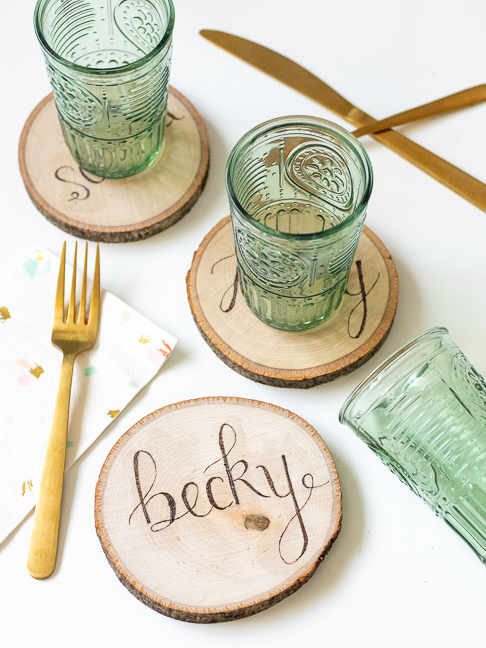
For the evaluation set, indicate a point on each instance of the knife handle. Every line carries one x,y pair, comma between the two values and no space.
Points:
463,99
449,175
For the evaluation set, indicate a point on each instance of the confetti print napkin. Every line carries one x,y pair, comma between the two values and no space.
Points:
128,353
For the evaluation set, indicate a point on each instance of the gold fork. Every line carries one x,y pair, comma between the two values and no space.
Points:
72,336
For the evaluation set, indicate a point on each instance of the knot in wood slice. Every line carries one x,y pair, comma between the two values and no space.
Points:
256,521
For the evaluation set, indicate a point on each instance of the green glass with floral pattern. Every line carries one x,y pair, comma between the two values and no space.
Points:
298,189
108,62
423,412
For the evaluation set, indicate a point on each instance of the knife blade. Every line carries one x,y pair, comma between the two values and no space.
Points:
300,79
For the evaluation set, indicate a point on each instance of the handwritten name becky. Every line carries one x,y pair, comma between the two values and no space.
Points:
235,476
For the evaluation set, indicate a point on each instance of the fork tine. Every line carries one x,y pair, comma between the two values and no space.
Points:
82,303
72,299
94,309
59,305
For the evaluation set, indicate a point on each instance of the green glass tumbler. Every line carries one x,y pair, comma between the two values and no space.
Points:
108,62
298,189
423,412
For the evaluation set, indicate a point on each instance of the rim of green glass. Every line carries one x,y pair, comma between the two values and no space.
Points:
385,364
38,13
321,125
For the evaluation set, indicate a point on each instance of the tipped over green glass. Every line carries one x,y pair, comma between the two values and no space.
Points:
423,412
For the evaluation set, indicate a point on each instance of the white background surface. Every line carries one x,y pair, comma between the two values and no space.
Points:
397,575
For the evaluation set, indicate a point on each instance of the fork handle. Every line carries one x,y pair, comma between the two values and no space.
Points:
43,544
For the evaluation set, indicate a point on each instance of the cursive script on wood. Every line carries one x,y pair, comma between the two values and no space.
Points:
363,294
65,173
233,287
228,299
217,508
172,118
285,359
237,485
125,209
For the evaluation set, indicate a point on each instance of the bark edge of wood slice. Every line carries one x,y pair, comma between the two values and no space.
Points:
301,359
115,210
238,559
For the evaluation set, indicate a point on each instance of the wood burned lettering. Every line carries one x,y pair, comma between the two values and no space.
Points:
79,189
172,118
363,294
67,174
228,300
224,485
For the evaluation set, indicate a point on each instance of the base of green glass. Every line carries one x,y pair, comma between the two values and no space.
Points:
291,313
115,158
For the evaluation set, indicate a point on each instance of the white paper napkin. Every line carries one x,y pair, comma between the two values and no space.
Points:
128,353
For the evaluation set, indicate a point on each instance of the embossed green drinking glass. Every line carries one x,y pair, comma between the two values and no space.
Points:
108,62
298,189
423,412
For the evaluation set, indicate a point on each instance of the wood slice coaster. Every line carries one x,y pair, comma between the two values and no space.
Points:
217,508
292,359
125,209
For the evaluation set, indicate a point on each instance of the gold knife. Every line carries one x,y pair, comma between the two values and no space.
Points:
463,99
297,77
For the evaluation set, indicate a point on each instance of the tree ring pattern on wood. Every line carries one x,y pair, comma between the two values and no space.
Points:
125,209
292,359
217,508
